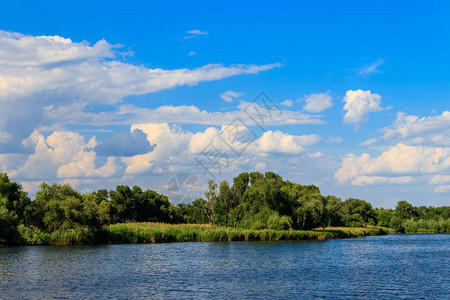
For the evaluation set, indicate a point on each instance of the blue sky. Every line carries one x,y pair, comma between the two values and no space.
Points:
101,93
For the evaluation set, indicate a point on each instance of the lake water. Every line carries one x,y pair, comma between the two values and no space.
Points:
393,266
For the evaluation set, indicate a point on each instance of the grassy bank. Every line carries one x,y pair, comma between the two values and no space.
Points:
160,233
129,233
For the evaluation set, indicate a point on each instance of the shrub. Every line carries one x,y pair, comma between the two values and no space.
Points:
279,223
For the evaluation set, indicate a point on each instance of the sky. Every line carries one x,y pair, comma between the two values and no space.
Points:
352,96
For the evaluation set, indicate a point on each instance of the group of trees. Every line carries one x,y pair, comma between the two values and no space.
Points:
59,208
411,219
254,200
259,201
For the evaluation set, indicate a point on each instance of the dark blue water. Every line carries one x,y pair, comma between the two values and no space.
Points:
394,266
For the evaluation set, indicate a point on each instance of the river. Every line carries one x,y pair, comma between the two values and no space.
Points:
394,266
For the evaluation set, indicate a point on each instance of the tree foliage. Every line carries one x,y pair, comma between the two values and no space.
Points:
254,200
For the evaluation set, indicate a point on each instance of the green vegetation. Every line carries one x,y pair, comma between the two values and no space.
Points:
160,232
255,207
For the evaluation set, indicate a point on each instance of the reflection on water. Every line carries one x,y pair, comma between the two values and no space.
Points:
400,266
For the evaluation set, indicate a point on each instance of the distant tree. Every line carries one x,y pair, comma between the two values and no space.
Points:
396,223
309,213
123,204
404,210
333,208
356,212
8,226
211,199
226,200
383,216
238,191
12,197
193,212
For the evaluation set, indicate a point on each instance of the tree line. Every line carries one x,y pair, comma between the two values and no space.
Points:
253,200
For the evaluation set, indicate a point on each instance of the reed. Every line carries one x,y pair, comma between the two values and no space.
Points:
161,232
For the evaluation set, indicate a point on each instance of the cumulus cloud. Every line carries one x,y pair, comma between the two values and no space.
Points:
228,96
23,50
64,154
45,79
178,150
316,103
125,144
359,104
287,103
279,142
409,129
171,145
397,163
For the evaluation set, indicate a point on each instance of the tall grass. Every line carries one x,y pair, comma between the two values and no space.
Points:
160,233
128,233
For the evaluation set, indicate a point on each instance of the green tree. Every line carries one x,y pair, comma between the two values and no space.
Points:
226,201
333,208
210,202
12,197
309,213
356,212
404,210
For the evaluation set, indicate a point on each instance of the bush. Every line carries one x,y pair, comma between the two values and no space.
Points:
396,224
279,223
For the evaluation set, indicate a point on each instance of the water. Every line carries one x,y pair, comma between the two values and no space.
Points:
394,266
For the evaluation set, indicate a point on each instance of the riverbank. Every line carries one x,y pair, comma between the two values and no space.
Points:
130,233
161,233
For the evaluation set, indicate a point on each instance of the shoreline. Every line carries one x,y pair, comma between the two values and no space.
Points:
140,233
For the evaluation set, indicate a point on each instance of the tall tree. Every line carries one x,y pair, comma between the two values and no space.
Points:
211,199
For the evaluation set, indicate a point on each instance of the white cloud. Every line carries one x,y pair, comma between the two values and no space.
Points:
47,82
22,50
176,149
193,115
335,139
287,103
368,142
439,179
359,104
31,64
371,68
433,130
442,189
395,163
201,140
192,53
316,155
228,96
199,32
317,102
192,34
170,143
369,180
279,142
64,154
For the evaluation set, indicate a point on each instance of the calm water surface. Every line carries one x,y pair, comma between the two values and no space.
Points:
394,266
